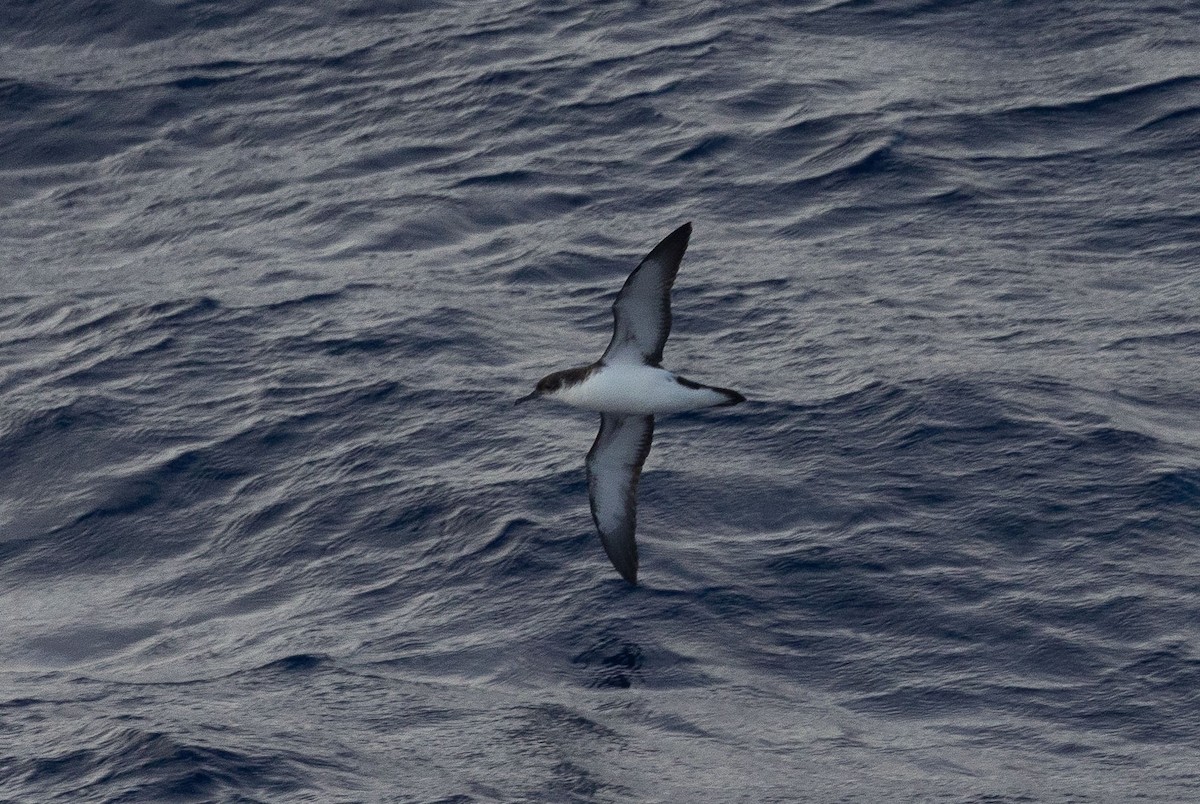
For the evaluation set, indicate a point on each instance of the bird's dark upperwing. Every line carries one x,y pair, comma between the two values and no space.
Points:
614,465
642,311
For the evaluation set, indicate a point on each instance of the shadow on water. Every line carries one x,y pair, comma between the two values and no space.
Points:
611,663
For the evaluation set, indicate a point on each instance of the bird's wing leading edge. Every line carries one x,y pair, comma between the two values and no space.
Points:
614,465
642,311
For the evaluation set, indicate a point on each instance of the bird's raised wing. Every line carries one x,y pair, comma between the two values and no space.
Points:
614,465
642,311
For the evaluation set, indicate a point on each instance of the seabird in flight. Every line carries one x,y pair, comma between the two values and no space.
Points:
628,387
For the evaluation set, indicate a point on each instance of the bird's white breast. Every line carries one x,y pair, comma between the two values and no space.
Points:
636,390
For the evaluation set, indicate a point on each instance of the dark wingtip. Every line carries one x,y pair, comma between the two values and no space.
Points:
626,563
674,244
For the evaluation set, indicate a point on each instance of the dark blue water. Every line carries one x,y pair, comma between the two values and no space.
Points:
271,275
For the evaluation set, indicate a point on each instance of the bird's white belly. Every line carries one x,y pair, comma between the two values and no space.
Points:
637,390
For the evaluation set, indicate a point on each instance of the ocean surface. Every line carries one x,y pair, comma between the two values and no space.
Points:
272,274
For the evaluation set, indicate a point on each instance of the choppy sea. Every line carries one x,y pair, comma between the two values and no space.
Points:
272,274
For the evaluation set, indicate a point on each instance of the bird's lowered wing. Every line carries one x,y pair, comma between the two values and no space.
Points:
614,465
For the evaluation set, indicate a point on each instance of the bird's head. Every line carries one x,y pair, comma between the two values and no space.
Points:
553,384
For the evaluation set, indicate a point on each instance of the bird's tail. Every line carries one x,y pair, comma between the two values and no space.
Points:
732,397
728,395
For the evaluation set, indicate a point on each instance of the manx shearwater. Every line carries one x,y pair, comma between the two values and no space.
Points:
628,386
